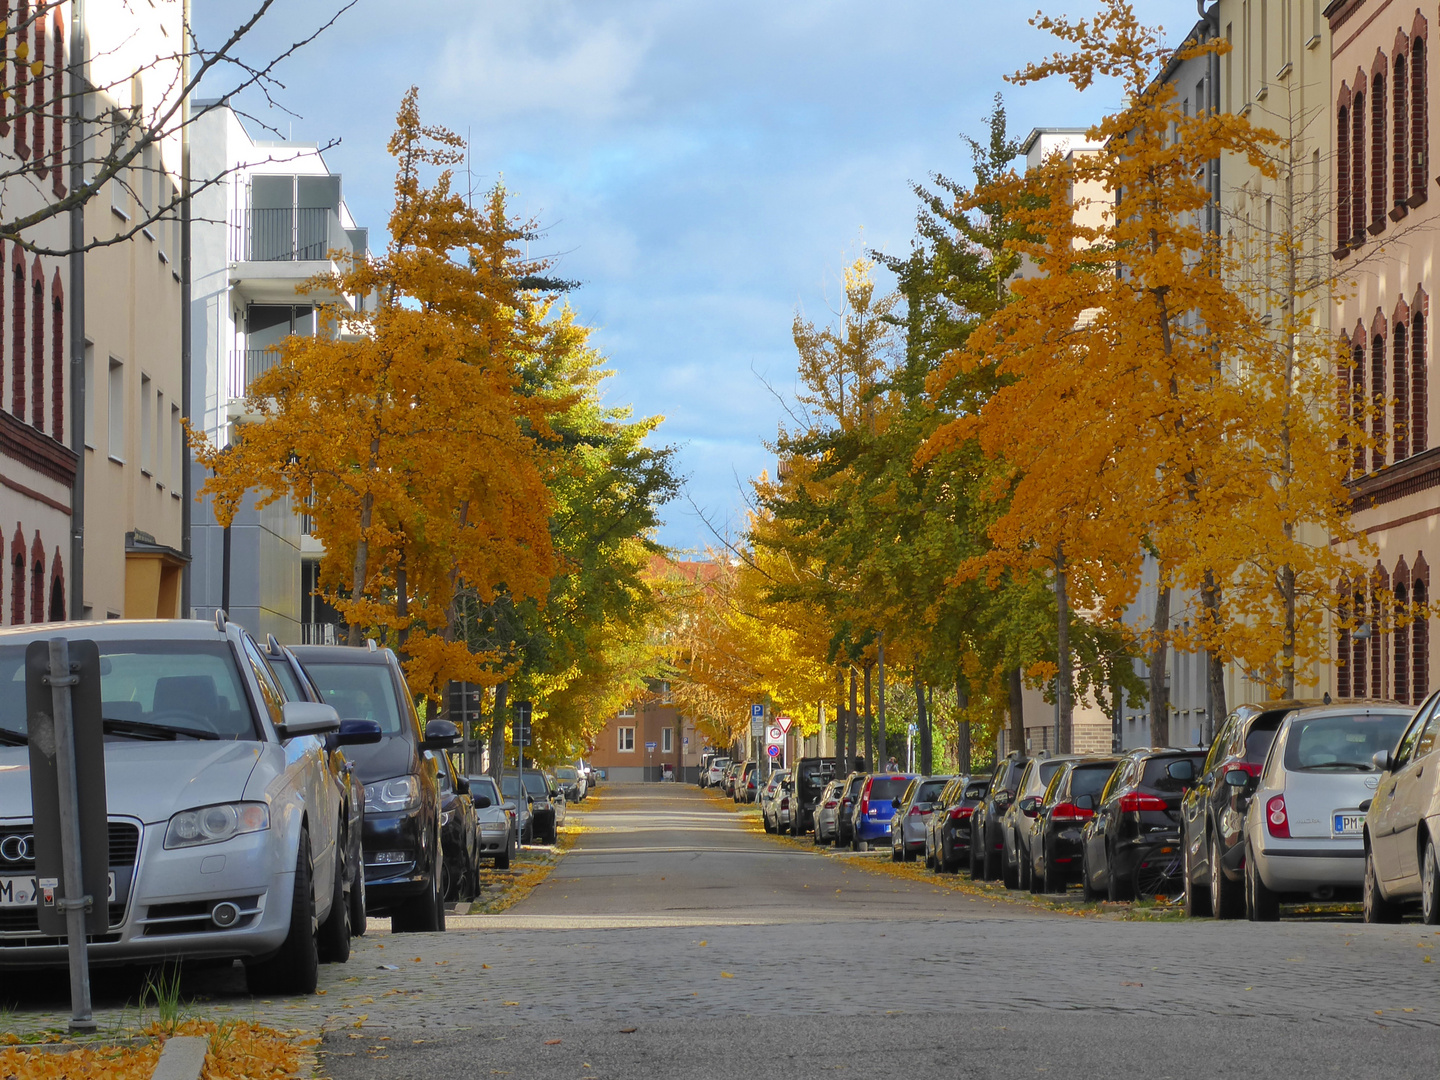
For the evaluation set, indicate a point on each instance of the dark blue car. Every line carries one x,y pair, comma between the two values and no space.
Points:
875,806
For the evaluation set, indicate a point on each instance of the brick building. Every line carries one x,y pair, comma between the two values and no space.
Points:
648,740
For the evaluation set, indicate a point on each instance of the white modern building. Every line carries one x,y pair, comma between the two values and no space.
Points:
266,217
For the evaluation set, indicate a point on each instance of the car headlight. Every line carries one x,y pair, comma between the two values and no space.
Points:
213,824
445,817
397,793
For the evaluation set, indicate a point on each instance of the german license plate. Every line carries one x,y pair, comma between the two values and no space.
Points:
21,892
1349,823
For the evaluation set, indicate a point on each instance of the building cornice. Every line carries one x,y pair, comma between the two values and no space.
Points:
1339,11
1415,474
21,442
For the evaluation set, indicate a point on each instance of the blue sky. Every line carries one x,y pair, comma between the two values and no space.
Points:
703,169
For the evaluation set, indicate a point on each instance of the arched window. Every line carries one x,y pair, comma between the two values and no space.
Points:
37,348
37,587
57,361
17,334
1419,409
17,588
20,91
1400,111
1402,643
1342,649
1419,122
1377,402
1420,646
57,105
1377,151
38,70
1357,171
1342,177
1400,381
57,589
1377,661
1357,401
1357,653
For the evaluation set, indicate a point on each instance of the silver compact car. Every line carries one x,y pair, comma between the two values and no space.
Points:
1402,826
1305,817
225,818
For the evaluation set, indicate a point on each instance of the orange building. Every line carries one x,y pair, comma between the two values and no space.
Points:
649,740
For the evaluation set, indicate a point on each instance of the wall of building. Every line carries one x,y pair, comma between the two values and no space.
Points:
642,724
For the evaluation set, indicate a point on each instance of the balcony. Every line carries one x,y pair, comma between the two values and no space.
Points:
272,251
247,365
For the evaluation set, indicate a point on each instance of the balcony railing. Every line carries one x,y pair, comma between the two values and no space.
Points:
314,633
247,365
288,234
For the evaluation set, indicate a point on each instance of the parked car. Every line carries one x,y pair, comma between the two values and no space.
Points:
225,818
298,687
747,782
498,820
1304,825
1017,827
987,841
1212,815
1402,825
769,796
826,818
514,793
1138,809
571,783
727,778
1060,815
874,807
845,812
401,835
714,773
810,776
547,805
459,832
912,813
947,840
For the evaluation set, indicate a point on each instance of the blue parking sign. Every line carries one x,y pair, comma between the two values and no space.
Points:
757,712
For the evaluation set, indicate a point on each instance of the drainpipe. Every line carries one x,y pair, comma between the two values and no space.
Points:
187,494
80,97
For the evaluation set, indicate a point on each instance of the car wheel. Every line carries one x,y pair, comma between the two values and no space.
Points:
1261,905
1087,890
992,865
896,853
295,968
1226,899
977,863
1197,903
356,900
1053,881
1430,886
1116,889
1033,873
333,942
1377,908
1024,874
1010,872
502,860
421,914
859,845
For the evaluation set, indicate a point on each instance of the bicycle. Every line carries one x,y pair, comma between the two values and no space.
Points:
1160,871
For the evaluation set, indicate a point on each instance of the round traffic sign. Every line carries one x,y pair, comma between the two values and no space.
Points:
773,751
776,734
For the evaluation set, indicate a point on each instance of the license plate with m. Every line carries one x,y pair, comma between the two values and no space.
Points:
1348,823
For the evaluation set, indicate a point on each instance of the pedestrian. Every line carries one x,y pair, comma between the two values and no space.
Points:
859,762
892,766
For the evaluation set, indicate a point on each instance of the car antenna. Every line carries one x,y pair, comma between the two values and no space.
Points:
370,644
221,619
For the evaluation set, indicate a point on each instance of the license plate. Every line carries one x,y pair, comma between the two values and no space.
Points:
1349,823
21,892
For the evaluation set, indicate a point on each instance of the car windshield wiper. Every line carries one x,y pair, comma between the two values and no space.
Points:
155,731
1363,766
14,738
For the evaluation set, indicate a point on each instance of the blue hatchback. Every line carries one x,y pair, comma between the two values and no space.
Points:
875,806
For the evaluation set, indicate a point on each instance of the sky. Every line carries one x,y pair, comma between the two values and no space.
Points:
704,170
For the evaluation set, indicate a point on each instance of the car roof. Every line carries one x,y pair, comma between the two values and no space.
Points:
118,630
341,654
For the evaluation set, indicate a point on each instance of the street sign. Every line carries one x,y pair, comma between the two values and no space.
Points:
775,734
757,728
773,750
757,712
521,726
649,746
784,722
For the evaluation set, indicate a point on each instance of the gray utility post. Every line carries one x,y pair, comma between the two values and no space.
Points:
67,793
880,757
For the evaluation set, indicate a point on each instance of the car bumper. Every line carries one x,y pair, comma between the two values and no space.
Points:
871,829
1304,865
397,857
494,842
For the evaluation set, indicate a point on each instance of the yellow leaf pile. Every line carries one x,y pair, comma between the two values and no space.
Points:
239,1050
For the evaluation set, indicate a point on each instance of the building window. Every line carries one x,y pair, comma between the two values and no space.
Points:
627,711
627,740
1357,651
667,740
177,452
1419,122
17,587
37,582
115,437
1342,177
57,362
1377,402
1342,650
1357,171
21,89
1420,645
1377,151
1399,124
1357,400
17,335
1377,656
1418,408
1401,384
147,424
57,105
37,349
1402,645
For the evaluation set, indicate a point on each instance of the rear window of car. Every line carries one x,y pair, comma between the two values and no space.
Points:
977,790
535,783
855,785
484,785
359,692
930,790
1157,776
1262,734
564,772
1089,779
889,787
1048,769
815,773
1343,743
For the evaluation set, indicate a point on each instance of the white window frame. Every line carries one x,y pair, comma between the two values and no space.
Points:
115,433
625,735
667,740
627,712
147,425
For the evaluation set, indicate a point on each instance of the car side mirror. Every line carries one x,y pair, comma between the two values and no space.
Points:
508,806
306,718
462,786
440,735
1085,802
1383,760
1183,771
1237,778
358,733
1030,805
482,802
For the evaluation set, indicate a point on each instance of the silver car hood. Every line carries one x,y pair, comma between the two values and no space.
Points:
147,780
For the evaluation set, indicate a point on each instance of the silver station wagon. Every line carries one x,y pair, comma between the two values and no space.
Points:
1305,821
225,818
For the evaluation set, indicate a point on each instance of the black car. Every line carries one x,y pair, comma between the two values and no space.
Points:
810,776
545,816
1138,809
401,833
298,687
1059,816
1017,828
1213,811
950,847
459,832
987,840
844,823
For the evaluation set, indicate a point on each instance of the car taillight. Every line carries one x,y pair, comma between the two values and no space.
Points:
960,813
1135,801
784,804
915,811
1070,812
864,807
830,804
1276,820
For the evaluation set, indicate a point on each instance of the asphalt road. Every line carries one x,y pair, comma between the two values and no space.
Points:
674,942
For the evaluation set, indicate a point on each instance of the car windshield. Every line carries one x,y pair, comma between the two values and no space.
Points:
535,783
1048,769
1157,774
359,692
930,790
151,689
1343,743
1089,779
564,772
888,787
484,787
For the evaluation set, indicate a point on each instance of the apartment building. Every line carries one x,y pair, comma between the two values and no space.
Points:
1385,243
267,216
649,740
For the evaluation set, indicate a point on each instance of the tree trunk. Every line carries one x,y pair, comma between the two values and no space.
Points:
1017,710
1159,646
1214,665
402,608
854,723
839,720
924,717
354,635
497,731
1064,683
962,726
882,758
869,726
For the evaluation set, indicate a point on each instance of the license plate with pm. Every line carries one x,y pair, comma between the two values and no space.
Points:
1349,823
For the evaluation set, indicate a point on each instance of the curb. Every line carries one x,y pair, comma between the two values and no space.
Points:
182,1058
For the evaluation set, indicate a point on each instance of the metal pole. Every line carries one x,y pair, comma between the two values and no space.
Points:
78,389
74,902
880,755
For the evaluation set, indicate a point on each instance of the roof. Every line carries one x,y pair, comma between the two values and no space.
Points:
116,630
341,654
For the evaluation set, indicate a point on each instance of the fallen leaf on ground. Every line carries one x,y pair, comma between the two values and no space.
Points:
552,1042
726,975
628,1031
